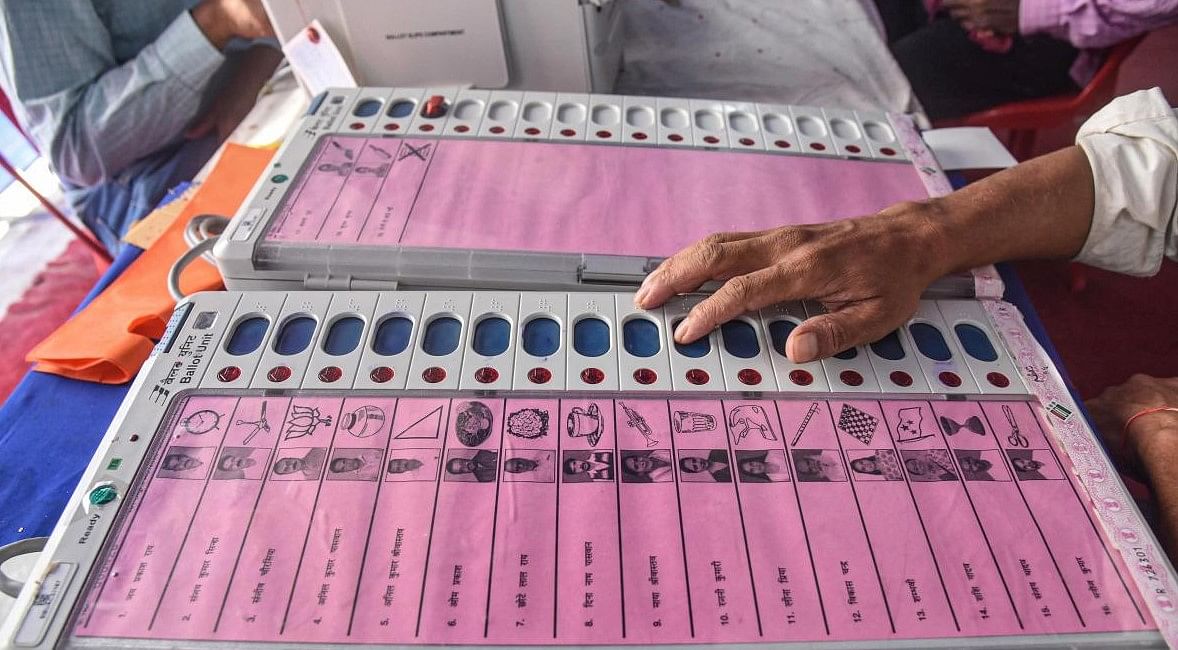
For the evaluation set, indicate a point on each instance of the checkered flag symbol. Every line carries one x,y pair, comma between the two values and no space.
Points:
857,424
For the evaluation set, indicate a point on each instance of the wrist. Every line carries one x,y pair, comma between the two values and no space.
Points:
210,17
1041,208
928,223
968,230
1156,445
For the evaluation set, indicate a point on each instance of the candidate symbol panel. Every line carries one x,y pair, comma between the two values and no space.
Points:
814,519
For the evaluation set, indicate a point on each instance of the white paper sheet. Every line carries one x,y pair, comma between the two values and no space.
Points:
968,147
317,60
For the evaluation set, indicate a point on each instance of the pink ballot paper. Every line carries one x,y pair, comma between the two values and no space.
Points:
499,195
567,520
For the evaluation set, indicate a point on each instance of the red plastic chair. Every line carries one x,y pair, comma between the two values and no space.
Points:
102,257
1024,119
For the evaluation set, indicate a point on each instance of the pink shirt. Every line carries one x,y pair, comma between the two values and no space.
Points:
1089,25
1092,25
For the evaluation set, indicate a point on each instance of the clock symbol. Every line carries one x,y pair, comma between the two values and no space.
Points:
201,422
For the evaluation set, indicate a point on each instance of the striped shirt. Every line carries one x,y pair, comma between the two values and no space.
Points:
103,84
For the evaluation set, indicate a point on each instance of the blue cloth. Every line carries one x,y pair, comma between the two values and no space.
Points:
50,427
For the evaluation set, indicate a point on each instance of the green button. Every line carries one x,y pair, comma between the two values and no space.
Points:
279,178
103,495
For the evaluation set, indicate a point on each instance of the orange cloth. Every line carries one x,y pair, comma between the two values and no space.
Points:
109,340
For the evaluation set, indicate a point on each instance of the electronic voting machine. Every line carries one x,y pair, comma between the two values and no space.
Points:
427,412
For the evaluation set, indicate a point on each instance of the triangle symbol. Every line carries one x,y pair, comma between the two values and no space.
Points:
427,427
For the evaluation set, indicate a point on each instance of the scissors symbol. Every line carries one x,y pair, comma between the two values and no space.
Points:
1016,438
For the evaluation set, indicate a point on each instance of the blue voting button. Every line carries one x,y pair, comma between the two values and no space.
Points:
343,336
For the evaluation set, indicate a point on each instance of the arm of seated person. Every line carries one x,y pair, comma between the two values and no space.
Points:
1148,446
93,114
869,272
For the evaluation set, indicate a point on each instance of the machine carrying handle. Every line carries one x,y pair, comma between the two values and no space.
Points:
10,586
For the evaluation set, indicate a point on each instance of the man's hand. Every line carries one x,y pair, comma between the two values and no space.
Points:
1148,436
997,16
222,20
239,94
868,273
1149,447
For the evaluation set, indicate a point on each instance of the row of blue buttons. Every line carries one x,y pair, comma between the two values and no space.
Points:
591,338
540,338
370,107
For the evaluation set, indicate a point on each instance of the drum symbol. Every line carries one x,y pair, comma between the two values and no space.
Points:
364,421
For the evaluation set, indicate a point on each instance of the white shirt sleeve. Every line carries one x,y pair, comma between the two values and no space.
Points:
1132,146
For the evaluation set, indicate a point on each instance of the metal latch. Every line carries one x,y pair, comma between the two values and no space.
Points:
368,284
616,269
327,282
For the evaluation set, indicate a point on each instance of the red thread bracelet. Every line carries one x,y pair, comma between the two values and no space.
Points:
1148,411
